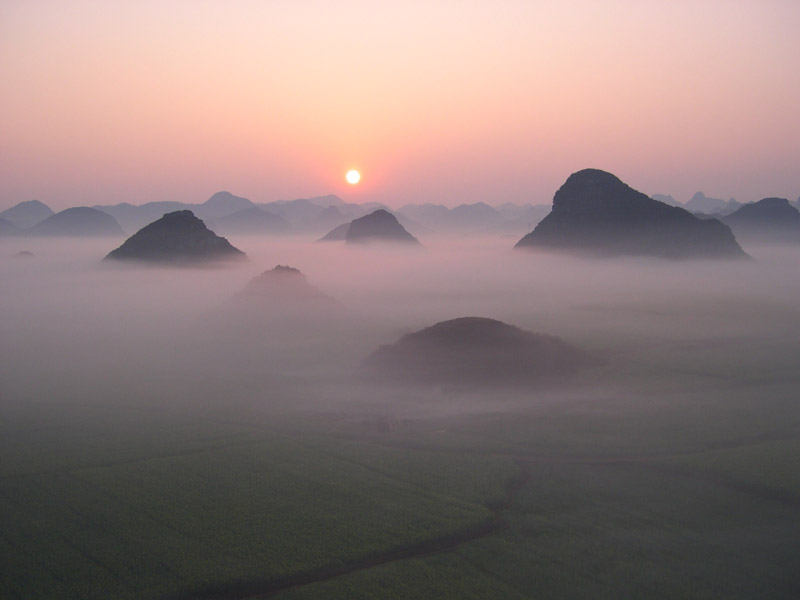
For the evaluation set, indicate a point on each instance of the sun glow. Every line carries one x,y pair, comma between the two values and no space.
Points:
353,177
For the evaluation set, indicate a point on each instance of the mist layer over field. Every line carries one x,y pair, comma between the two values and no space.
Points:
157,394
66,314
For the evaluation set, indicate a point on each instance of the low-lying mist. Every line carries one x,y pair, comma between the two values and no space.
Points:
76,329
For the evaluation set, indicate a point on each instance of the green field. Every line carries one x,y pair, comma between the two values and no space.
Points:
136,506
617,497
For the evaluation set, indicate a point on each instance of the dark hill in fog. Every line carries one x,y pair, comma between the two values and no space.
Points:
78,221
176,237
284,287
23,254
281,307
771,220
378,226
475,351
595,213
27,214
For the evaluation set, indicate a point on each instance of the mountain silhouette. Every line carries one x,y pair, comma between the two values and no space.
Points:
476,351
378,226
278,306
222,204
428,214
78,221
337,234
251,221
286,289
770,220
469,218
27,214
297,212
330,217
702,204
595,213
176,237
132,217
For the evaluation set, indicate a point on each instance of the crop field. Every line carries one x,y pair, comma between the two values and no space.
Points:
110,508
578,499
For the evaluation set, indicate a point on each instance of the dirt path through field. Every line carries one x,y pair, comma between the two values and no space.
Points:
254,589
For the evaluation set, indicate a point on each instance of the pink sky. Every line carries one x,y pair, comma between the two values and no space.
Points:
448,102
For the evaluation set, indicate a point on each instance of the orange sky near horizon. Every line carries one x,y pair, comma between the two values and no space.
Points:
447,102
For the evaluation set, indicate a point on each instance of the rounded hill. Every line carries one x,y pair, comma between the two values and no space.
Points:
476,351
78,221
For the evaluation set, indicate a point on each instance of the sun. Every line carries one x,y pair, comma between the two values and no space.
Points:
353,177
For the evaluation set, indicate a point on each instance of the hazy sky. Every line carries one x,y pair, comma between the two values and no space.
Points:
449,101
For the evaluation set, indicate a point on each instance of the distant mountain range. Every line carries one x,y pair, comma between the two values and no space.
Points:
702,205
33,218
80,221
234,215
768,221
26,214
251,221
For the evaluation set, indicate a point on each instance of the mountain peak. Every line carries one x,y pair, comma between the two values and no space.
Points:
176,237
770,221
78,221
379,225
595,213
27,213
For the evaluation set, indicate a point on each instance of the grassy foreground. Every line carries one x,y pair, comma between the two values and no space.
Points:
102,503
604,499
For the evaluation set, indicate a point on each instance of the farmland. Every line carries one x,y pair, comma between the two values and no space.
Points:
143,455
142,502
155,508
